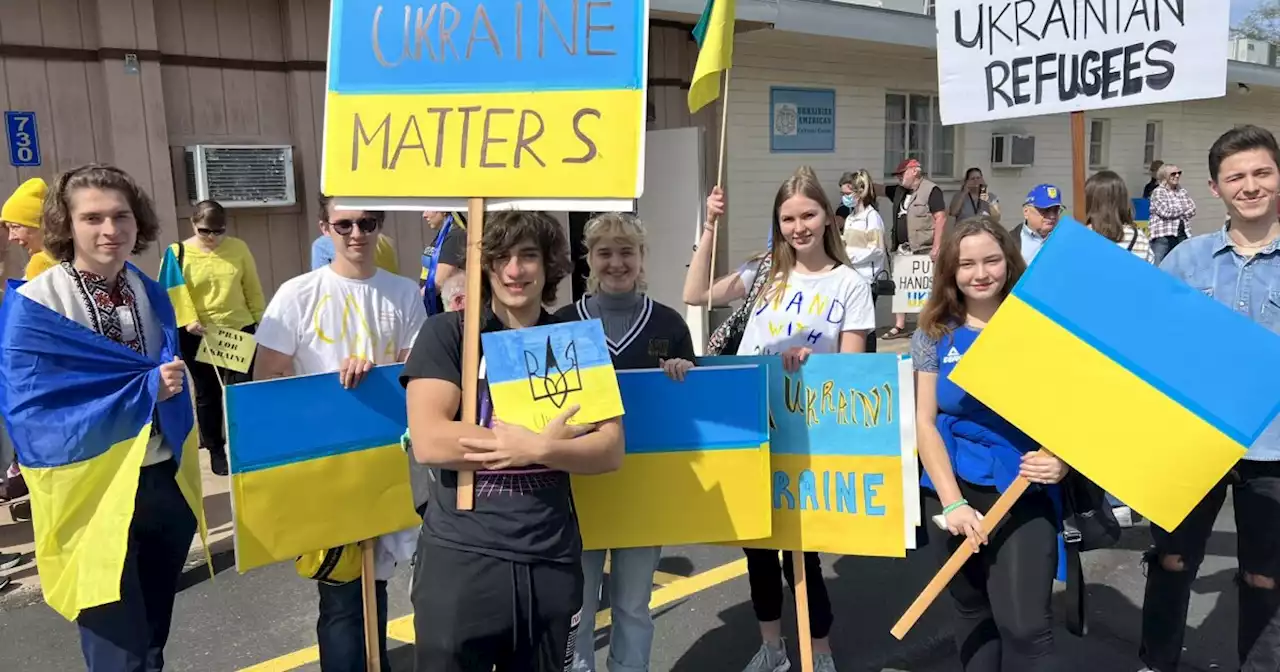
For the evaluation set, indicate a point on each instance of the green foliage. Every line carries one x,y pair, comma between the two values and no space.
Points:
1263,23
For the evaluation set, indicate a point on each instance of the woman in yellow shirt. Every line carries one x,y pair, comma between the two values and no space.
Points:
21,215
223,280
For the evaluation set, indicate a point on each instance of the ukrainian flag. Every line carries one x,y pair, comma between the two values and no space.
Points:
1142,213
696,467
176,285
1074,358
535,374
79,408
301,482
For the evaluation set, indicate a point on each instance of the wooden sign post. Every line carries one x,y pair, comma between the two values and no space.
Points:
471,319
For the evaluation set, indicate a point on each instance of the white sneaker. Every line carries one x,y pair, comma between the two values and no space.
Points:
1124,516
769,659
823,662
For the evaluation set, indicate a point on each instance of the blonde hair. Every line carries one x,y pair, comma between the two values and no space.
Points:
864,192
804,182
614,226
1163,173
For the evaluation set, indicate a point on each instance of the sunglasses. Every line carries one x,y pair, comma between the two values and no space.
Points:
211,232
1176,174
366,224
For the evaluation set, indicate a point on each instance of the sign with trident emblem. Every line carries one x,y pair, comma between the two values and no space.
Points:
536,373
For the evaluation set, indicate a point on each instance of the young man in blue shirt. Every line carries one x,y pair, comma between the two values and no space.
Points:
1239,266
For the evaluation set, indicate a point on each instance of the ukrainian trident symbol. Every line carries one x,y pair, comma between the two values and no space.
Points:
552,380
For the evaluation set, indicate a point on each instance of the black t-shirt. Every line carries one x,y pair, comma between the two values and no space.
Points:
897,194
522,515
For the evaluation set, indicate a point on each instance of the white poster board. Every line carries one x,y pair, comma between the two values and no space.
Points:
913,281
1019,58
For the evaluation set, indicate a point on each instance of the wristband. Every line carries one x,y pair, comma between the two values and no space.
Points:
954,505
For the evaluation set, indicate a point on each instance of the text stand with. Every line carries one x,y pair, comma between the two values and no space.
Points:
471,318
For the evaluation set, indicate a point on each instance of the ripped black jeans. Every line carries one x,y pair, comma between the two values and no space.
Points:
1255,487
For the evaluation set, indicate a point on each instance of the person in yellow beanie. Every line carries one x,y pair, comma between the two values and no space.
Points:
21,214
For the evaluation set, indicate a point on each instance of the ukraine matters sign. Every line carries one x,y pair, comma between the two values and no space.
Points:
532,99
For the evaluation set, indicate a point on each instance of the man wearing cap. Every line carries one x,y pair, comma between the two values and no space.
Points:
21,215
1040,213
920,213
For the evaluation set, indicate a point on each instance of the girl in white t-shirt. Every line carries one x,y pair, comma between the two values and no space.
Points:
813,303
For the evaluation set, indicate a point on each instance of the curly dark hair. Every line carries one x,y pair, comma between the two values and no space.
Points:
503,231
58,239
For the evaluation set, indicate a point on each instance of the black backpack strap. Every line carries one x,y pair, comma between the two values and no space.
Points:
1074,599
182,255
1134,240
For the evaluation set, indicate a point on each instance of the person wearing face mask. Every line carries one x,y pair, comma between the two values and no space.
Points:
974,199
641,334
1172,210
864,239
1040,211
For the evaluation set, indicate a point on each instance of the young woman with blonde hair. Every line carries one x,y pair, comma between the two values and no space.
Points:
810,277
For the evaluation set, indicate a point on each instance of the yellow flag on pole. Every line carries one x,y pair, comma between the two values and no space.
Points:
714,35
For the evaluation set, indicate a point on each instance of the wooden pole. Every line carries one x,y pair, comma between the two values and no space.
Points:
720,165
931,592
1078,164
471,319
803,633
368,585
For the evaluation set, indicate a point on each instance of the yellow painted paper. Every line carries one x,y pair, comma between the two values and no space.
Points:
227,348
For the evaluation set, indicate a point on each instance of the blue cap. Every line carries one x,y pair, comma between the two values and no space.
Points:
1044,196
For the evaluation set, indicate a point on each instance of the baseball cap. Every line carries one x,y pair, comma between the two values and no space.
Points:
1044,196
906,163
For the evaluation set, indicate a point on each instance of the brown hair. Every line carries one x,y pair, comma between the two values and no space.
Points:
1107,207
614,226
803,183
58,225
945,309
505,230
211,212
326,201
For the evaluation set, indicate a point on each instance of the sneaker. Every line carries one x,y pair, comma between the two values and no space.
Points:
20,510
1124,516
218,462
10,560
769,659
823,662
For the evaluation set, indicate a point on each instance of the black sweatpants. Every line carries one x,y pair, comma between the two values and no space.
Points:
204,378
765,576
1003,595
476,613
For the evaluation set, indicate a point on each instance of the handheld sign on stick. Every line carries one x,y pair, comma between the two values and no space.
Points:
471,319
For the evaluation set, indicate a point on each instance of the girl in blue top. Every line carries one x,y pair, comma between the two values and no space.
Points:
971,454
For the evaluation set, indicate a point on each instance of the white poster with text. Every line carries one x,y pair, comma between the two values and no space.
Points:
912,282
1020,58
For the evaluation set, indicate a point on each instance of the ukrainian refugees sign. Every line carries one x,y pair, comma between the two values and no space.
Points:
1018,58
475,98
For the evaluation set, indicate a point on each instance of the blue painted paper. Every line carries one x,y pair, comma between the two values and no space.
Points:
710,410
472,46
519,354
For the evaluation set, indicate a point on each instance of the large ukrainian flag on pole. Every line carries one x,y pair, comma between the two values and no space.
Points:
79,408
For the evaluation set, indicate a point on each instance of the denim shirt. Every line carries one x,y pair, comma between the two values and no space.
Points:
1249,286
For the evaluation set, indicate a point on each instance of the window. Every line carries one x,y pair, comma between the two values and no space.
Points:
1152,141
913,131
1098,129
929,7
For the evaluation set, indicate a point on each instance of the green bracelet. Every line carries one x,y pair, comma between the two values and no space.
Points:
955,505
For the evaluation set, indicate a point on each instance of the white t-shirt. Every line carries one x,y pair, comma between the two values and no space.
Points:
811,311
321,318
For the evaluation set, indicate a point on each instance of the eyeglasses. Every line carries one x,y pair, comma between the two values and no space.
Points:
211,232
366,224
1176,174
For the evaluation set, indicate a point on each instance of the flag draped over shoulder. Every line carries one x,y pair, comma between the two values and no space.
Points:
714,35
80,408
175,284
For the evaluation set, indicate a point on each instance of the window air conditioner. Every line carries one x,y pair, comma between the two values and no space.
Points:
241,176
1012,151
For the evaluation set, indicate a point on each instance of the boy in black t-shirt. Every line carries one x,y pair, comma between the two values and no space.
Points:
499,587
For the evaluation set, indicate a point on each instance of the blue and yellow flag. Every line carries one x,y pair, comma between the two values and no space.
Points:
714,35
1074,358
79,408
175,284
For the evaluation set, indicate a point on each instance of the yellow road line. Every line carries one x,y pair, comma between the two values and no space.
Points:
667,578
401,629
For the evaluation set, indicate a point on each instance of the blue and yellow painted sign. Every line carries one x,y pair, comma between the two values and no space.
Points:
697,464
842,441
476,98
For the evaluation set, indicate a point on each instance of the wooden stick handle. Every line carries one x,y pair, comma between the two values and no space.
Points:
720,165
368,584
940,580
803,633
471,319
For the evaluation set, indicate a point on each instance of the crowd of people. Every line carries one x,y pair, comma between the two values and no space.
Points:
507,586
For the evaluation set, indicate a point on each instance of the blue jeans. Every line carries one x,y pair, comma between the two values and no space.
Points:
129,635
630,587
340,628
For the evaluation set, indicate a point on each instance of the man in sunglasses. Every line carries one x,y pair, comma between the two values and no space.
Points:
346,317
1040,213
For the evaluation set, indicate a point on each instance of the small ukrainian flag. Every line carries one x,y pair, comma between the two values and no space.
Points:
173,281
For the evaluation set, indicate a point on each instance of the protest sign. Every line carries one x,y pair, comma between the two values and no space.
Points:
842,454
541,100
1019,58
226,348
697,464
535,374
315,465
912,282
